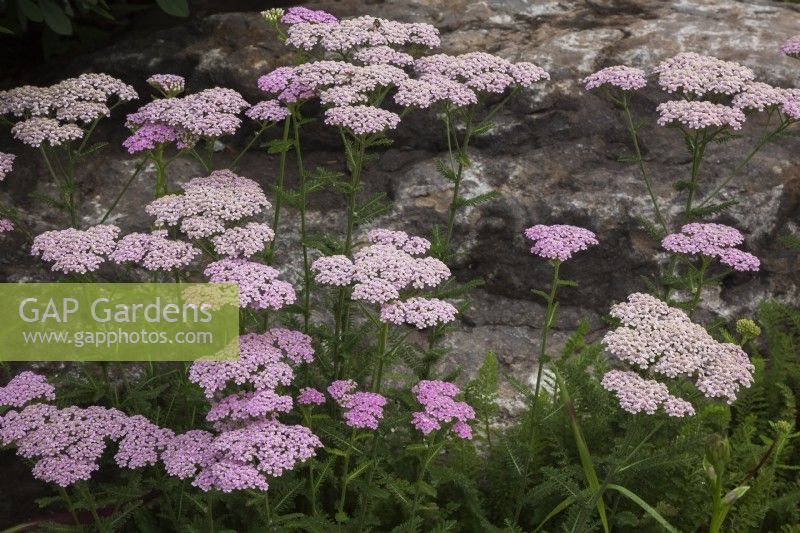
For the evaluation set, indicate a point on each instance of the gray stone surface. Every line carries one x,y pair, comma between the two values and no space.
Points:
553,156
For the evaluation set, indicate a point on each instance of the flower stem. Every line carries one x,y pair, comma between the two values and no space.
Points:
113,206
270,254
296,118
640,161
459,162
162,187
547,324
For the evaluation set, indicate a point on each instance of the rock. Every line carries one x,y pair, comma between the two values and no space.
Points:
552,156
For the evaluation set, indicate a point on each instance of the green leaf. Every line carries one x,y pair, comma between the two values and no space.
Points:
31,10
643,504
483,391
176,8
684,185
483,127
628,159
446,171
425,488
5,30
476,200
713,209
279,146
358,470
556,510
55,18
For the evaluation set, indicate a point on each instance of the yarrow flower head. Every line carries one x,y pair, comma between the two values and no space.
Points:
243,241
259,286
353,34
76,251
637,395
169,84
432,89
791,105
700,114
712,240
791,47
6,226
481,72
698,75
142,442
383,55
150,136
263,364
559,241
154,251
208,203
285,85
621,77
362,119
268,111
38,130
208,113
759,96
25,387
419,312
66,444
362,409
299,15
6,164
310,396
440,408
660,339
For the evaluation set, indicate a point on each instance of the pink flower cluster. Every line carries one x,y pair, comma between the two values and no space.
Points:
208,203
244,240
285,85
419,312
97,89
75,251
362,119
699,114
153,251
559,241
699,75
310,396
24,387
620,76
636,394
440,407
39,130
168,84
712,240
432,89
210,113
760,96
240,458
6,164
362,409
482,72
6,226
259,286
791,47
657,338
299,15
268,111
383,55
352,34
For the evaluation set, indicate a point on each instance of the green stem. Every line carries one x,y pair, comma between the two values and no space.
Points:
113,206
355,156
296,118
718,511
698,290
423,469
162,186
547,324
210,513
345,472
93,507
461,159
249,145
70,506
640,161
270,255
67,194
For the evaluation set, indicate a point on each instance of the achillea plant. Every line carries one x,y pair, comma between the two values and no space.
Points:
337,415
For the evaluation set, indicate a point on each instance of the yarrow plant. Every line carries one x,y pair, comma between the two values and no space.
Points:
341,409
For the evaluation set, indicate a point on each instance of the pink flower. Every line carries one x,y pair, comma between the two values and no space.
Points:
362,409
362,119
310,396
559,241
149,136
712,240
440,407
759,96
663,340
169,84
268,111
259,286
359,32
637,395
284,84
71,250
334,270
696,74
419,312
791,47
6,226
697,115
38,130
383,55
154,251
244,241
399,239
6,164
622,77
25,387
481,72
142,442
299,14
